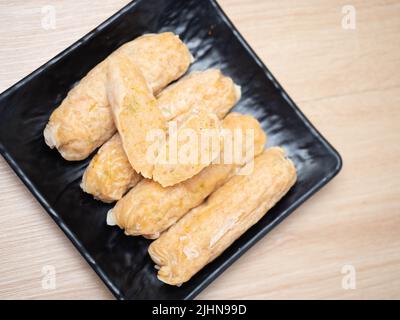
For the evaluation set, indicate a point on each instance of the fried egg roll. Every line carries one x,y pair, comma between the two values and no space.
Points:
210,89
135,111
109,173
149,209
206,231
84,121
185,153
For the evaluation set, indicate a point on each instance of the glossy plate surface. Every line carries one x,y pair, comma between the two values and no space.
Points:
122,262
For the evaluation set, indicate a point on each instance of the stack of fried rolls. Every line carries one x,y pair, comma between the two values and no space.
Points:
194,210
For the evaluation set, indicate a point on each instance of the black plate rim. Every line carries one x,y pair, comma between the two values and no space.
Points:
230,260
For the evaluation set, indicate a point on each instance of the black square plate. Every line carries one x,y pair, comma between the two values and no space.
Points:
122,262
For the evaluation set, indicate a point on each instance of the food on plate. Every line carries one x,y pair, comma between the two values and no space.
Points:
109,173
198,181
207,230
84,121
149,209
189,148
209,89
135,111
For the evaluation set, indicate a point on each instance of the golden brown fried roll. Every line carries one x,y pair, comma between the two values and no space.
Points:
177,100
84,121
186,153
109,173
149,209
206,231
135,112
209,88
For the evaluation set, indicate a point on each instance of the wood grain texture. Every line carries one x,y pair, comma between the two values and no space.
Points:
345,81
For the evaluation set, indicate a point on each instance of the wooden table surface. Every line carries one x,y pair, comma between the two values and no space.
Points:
345,80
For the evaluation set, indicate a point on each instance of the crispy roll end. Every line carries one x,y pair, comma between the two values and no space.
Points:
109,174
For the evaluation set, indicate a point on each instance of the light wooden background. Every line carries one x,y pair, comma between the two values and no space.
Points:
346,81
